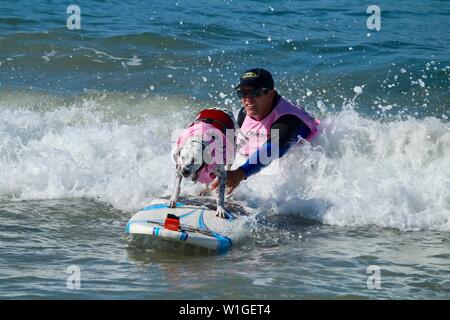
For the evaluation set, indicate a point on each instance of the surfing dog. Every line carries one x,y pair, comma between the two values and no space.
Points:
202,153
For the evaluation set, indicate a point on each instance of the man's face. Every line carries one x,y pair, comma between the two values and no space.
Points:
258,106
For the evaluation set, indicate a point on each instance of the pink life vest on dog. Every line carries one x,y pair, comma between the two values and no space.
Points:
256,132
210,125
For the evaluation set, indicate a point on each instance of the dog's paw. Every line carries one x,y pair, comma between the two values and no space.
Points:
172,204
221,213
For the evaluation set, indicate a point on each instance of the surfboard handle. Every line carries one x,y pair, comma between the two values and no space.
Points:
172,222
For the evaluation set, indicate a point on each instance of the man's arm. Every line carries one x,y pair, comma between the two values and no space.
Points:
290,128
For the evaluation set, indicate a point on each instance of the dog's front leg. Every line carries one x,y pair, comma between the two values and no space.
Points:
205,191
222,175
176,190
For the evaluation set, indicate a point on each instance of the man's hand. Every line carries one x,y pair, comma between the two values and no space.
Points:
234,178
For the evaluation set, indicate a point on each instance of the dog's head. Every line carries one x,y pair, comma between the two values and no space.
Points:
189,158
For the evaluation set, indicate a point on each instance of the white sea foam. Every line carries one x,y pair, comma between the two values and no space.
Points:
79,152
47,55
364,172
358,171
134,61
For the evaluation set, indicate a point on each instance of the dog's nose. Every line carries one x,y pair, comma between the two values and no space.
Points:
185,172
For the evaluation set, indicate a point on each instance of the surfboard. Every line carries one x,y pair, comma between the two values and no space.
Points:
192,222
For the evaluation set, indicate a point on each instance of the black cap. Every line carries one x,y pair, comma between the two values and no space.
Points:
256,78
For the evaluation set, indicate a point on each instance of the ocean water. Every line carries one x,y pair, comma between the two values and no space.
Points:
87,121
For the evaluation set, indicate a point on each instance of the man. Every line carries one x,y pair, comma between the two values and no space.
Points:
265,110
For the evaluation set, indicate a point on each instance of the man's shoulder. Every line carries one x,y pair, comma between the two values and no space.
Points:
283,101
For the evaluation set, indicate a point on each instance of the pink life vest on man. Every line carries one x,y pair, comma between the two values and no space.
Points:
256,133
209,124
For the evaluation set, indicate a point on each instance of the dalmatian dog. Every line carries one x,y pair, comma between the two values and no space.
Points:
197,151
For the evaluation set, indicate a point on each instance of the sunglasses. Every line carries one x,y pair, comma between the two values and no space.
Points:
254,92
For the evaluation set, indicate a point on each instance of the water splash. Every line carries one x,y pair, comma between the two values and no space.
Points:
359,171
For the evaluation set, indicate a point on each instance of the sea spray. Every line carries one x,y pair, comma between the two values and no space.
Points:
361,171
